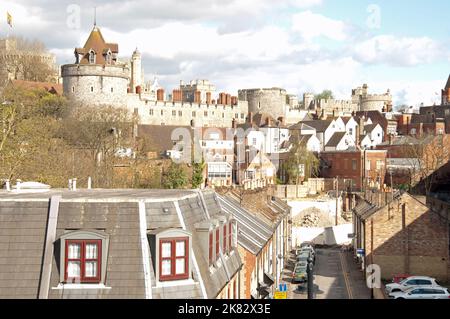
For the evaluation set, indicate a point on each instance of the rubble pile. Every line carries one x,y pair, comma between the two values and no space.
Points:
312,217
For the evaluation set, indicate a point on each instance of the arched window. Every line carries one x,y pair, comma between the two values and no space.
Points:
92,57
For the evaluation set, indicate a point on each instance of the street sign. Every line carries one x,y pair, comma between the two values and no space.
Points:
283,288
360,252
280,295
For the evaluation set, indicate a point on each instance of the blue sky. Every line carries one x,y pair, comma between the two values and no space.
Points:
301,45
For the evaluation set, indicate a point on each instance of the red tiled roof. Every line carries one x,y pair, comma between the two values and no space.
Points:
97,43
53,88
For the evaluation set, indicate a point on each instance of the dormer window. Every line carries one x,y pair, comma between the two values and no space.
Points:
83,261
109,57
171,250
83,257
174,259
92,57
217,243
224,240
211,249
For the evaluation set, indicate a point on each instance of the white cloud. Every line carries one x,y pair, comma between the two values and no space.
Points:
398,51
311,25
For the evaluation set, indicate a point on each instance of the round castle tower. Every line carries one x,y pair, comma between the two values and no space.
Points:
96,77
271,101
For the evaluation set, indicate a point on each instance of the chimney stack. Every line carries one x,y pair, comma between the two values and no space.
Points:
160,95
208,97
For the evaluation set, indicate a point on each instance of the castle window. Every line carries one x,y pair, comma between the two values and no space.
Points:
193,114
109,58
174,113
180,113
92,57
73,89
151,111
112,90
206,113
162,112
92,89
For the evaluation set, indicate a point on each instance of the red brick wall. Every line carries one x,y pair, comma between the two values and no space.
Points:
416,244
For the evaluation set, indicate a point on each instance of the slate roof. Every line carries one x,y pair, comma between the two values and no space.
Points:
336,139
23,222
253,233
319,125
369,128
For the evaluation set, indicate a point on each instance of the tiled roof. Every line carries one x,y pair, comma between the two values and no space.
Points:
319,125
336,139
97,43
53,88
369,128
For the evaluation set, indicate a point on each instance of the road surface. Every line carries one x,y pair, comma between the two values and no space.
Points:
336,276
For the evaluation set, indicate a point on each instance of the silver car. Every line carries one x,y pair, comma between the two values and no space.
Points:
422,293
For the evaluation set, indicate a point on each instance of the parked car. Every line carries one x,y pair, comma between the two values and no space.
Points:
307,244
311,253
304,257
409,282
422,293
398,278
300,272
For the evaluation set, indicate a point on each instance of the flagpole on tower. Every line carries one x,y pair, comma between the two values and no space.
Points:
95,16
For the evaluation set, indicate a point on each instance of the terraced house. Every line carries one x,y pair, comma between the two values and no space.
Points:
117,244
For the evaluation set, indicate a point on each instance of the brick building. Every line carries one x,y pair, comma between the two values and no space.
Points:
402,236
362,167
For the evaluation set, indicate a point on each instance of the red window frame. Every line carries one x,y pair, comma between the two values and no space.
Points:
173,258
217,243
224,240
82,260
211,246
230,237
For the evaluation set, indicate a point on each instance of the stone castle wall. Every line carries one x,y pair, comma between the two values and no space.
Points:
375,102
96,84
187,114
271,101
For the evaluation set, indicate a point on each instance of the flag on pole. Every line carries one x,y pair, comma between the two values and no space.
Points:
9,19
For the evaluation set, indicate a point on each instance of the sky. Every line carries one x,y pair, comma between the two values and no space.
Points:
300,45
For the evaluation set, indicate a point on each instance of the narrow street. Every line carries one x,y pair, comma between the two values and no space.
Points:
336,276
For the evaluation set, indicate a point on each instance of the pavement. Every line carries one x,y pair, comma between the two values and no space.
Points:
336,276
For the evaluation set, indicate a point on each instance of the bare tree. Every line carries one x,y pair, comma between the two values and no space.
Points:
427,154
27,60
100,132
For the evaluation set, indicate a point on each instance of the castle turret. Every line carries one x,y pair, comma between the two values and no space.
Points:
136,71
96,77
308,98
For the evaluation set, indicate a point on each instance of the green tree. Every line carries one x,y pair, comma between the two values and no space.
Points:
197,174
325,95
175,177
301,163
